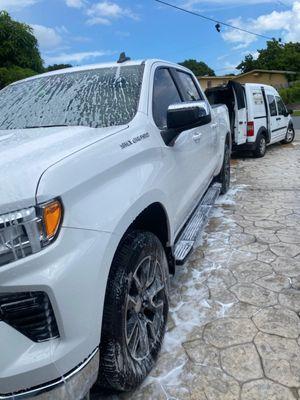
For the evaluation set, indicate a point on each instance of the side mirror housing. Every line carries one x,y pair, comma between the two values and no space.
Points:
184,116
290,112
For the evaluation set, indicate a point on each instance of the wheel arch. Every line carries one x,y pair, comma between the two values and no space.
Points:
154,218
264,131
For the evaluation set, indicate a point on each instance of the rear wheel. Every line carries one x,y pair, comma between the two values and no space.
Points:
135,311
290,135
224,176
261,146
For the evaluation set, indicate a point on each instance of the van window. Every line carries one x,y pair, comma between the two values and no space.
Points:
280,106
272,105
165,93
190,91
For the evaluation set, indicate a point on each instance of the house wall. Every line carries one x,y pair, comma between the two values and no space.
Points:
273,79
277,80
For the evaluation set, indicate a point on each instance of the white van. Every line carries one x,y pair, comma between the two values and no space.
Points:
258,116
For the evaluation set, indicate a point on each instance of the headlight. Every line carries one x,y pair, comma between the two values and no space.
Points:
27,231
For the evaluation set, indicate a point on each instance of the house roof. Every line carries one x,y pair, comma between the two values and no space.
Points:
254,71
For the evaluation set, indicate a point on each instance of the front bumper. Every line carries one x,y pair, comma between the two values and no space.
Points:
73,273
73,386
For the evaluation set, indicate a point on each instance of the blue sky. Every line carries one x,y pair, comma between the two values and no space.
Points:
89,31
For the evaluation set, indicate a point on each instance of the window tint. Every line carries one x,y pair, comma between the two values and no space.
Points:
272,105
280,106
165,93
190,91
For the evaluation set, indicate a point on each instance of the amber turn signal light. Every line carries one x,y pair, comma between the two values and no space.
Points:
52,215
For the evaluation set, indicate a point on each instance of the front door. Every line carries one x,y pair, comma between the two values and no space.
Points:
186,160
282,119
273,117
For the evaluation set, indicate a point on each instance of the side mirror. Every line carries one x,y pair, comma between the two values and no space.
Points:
184,116
290,112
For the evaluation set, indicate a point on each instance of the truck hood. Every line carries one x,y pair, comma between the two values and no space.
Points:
26,153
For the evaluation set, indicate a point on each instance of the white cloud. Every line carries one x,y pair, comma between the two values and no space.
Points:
11,5
74,57
284,24
75,3
191,4
105,12
48,38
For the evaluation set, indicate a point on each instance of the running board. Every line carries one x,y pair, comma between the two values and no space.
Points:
195,224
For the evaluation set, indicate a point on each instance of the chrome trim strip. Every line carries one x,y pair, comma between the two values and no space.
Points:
73,386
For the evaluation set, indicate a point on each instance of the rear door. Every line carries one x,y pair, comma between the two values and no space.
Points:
240,126
273,117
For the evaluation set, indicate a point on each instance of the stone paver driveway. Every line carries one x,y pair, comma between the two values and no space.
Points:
234,328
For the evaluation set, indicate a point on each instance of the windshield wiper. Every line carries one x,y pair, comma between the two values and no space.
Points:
44,126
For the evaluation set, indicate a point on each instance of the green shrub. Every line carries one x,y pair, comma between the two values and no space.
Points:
292,94
14,73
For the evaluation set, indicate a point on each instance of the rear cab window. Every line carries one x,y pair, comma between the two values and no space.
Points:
188,87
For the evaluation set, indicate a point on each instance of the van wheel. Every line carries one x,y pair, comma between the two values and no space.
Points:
261,146
224,176
135,312
290,135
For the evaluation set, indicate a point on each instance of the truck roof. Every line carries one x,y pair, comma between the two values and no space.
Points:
97,66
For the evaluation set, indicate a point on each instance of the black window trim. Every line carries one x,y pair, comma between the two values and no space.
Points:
169,69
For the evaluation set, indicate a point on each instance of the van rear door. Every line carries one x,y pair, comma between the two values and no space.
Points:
240,126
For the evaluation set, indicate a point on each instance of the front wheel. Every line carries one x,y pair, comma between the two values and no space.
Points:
261,146
224,176
135,311
290,135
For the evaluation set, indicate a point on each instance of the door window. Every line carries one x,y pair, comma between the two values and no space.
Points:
190,91
280,106
272,105
165,93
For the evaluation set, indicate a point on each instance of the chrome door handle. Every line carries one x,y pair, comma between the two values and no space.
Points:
197,137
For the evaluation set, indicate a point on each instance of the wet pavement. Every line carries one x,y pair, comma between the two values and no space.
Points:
234,326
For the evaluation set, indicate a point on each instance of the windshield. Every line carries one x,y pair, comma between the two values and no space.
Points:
95,98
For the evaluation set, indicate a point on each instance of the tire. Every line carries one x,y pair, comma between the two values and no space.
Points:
136,302
290,135
261,146
224,176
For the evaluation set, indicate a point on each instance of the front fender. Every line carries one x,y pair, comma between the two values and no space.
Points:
104,188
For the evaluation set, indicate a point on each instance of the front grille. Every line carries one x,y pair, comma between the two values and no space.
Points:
19,235
29,313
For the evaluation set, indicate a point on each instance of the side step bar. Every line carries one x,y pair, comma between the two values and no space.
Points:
195,224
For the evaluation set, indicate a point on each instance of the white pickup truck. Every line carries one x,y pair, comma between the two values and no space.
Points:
107,174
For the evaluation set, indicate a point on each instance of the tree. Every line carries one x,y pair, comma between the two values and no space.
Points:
199,68
19,47
55,67
278,56
14,73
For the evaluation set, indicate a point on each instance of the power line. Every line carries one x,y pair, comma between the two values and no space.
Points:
283,4
212,20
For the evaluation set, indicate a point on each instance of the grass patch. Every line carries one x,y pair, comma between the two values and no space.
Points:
296,113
